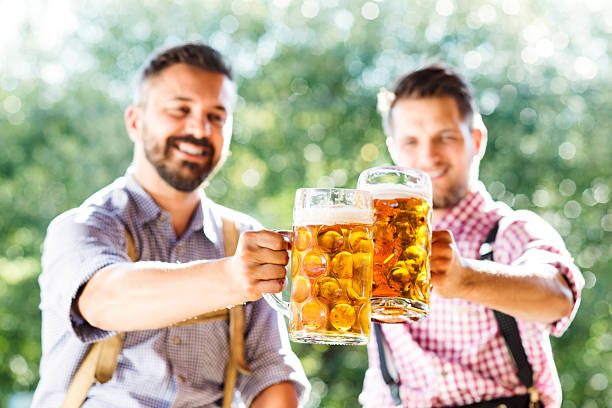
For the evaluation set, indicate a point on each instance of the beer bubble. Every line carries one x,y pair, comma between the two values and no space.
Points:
348,291
342,265
313,315
328,290
415,253
399,273
342,316
330,238
314,263
413,267
360,241
300,289
405,233
302,239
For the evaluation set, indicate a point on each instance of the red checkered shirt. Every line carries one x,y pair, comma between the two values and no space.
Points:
456,355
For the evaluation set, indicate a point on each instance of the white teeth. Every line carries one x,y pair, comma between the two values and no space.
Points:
434,174
190,149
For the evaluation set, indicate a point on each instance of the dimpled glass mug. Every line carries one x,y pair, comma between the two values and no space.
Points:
402,242
331,267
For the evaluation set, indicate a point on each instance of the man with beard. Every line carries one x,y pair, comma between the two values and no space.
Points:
180,124
457,356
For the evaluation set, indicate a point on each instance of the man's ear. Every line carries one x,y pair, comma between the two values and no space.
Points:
133,121
479,136
392,148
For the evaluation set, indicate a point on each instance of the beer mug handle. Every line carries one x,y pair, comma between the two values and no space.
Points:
275,300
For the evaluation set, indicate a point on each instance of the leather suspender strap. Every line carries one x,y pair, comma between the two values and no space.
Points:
83,378
391,380
101,359
508,327
236,360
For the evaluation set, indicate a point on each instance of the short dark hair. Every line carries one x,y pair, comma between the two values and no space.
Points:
194,54
434,81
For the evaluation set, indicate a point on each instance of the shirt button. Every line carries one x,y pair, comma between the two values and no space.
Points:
176,340
162,217
180,379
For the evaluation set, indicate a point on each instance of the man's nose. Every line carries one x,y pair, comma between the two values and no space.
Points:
428,154
199,126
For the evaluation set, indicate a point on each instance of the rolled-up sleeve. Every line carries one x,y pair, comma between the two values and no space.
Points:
78,244
269,355
529,240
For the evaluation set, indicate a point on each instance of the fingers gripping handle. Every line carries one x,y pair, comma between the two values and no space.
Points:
275,300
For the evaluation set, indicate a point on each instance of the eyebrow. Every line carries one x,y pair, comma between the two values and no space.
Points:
411,135
447,130
187,99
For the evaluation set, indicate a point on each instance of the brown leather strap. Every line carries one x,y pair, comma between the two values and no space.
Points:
107,359
236,331
83,378
230,242
236,360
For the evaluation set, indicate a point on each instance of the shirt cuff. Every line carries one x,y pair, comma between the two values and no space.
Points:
84,331
576,283
257,382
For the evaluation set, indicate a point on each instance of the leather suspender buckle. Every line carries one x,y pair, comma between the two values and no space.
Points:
534,397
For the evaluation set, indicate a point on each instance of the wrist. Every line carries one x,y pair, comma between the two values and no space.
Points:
469,279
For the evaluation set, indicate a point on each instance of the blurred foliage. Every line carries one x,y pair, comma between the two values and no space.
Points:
308,72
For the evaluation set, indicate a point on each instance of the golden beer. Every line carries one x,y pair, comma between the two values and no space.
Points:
331,273
331,267
402,243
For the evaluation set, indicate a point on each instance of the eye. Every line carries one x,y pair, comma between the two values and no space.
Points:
179,110
216,118
448,137
407,143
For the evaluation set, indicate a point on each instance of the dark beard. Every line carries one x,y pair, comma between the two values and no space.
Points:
197,173
450,199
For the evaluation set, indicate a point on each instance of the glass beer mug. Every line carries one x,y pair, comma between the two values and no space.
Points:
402,242
331,267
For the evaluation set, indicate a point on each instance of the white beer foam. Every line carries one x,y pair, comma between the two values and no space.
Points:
331,215
388,191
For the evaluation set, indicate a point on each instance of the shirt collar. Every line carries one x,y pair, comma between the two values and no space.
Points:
148,210
209,220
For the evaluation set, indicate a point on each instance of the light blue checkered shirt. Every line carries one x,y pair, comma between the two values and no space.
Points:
178,366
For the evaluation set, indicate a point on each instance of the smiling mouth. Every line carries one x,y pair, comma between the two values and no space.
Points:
192,150
436,174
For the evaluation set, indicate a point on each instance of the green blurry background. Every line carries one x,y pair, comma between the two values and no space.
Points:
308,73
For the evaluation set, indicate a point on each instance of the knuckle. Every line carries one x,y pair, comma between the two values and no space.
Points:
248,236
281,272
278,285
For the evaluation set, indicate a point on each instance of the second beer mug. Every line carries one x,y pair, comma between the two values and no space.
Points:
402,236
331,267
